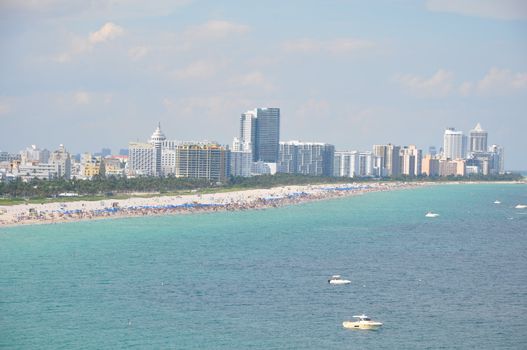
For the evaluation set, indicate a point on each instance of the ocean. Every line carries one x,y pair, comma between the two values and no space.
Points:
258,279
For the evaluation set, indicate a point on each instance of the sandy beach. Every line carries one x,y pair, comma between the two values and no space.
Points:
47,213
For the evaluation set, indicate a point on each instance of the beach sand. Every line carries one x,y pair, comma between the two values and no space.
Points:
46,213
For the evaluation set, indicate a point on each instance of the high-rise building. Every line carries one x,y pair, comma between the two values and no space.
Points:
141,159
478,139
432,151
346,164
354,164
34,155
247,131
62,161
411,161
266,135
308,158
162,157
454,144
156,140
390,159
430,165
497,159
241,159
202,161
448,167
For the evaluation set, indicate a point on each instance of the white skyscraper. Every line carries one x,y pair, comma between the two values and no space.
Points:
411,161
478,139
247,130
454,144
156,140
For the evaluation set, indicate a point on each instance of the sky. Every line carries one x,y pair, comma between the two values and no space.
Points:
101,73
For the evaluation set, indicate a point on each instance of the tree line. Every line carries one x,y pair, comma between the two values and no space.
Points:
110,186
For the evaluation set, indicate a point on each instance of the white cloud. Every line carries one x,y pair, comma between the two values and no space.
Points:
5,106
495,9
109,31
168,103
82,98
196,70
438,85
138,52
253,79
496,82
335,46
215,29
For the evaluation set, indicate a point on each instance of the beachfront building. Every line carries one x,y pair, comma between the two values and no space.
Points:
478,139
366,161
410,158
454,144
345,164
202,161
354,164
247,138
241,158
156,140
260,130
430,166
90,166
42,171
488,163
114,165
33,154
259,138
61,159
497,159
307,158
141,159
162,157
448,167
266,135
390,163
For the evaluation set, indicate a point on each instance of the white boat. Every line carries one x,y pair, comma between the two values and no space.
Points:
431,215
497,202
521,206
336,279
363,322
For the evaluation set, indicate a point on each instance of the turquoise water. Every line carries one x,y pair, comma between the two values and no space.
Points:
258,279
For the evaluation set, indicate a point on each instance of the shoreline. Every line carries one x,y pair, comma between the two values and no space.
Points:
250,199
54,213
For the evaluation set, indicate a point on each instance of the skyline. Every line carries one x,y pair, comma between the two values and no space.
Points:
98,74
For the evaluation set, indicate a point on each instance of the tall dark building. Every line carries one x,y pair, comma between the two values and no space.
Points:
267,135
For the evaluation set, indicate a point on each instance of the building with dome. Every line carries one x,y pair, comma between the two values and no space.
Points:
162,157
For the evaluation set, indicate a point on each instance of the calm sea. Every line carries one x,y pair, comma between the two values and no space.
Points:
258,279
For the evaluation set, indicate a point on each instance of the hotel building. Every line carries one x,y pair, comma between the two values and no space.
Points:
307,158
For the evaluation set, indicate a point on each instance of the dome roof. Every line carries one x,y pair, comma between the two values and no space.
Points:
158,134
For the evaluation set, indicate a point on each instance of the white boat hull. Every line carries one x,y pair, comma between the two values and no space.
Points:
521,206
339,281
361,325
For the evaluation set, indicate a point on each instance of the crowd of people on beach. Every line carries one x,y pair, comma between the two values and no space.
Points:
233,201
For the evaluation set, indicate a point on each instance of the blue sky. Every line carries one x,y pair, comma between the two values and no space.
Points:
101,73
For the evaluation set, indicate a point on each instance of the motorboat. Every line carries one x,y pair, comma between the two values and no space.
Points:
521,206
336,279
363,322
431,215
497,202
